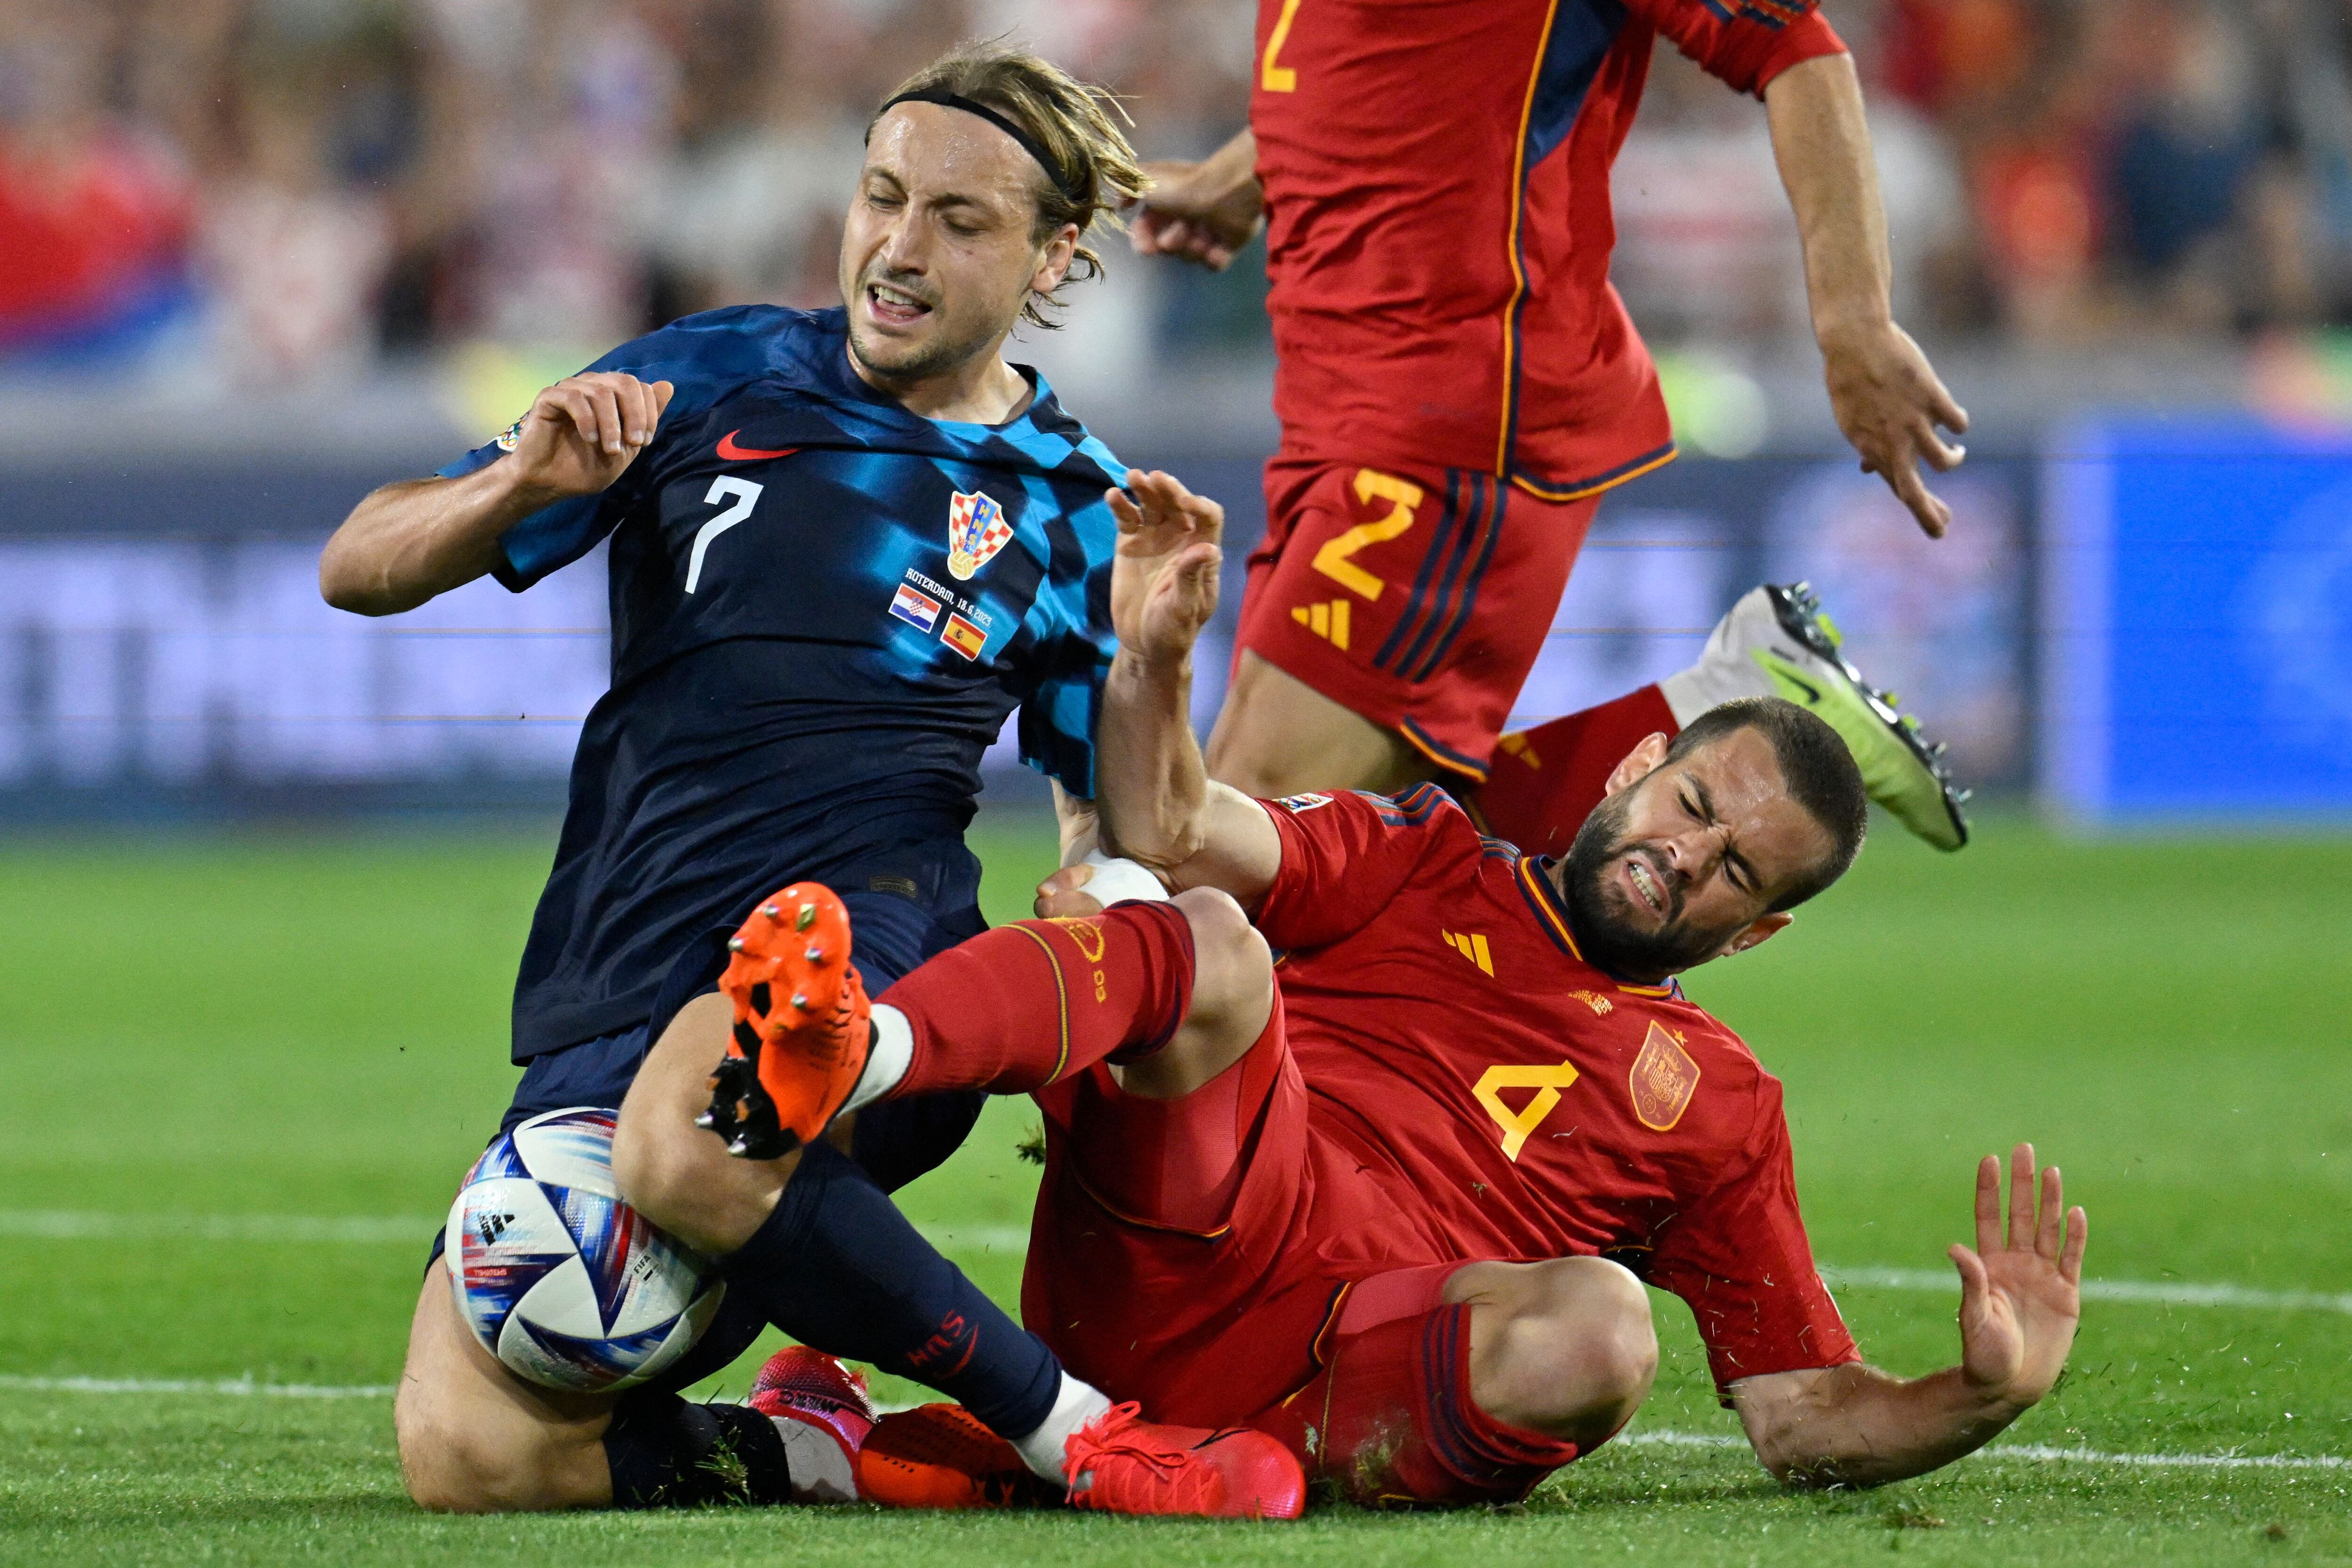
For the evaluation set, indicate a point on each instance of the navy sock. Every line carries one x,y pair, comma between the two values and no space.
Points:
665,1452
837,1267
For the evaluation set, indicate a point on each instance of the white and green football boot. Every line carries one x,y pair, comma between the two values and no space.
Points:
1776,642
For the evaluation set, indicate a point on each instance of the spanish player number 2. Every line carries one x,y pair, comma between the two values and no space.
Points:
1276,77
746,496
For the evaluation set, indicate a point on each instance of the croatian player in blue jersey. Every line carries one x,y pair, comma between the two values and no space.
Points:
845,545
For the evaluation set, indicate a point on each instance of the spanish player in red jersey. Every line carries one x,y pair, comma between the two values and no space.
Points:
1389,1196
1457,381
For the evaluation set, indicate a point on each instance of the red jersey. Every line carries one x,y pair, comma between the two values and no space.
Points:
1436,177
1477,1090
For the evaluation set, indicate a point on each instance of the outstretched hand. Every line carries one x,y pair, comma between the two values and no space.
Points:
1888,400
2020,1296
1163,579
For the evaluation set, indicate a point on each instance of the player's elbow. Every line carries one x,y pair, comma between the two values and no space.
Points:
1796,1423
1801,1468
344,589
350,580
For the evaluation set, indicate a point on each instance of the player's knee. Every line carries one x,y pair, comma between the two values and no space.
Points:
680,1177
454,1465
659,1172
1233,971
1577,1352
1597,1317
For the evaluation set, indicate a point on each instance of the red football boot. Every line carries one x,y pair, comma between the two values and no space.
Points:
801,1027
833,1415
939,1456
1122,1463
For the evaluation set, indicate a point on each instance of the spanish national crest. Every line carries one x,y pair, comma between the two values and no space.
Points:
1663,1080
976,531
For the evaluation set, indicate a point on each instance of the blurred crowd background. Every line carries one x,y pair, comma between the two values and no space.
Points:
304,246
306,189
272,189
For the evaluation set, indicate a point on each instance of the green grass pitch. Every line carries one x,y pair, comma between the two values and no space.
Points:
199,1032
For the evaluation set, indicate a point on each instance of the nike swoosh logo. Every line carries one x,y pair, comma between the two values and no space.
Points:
1812,693
734,454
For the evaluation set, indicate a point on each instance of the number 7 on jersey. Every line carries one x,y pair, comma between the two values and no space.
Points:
747,496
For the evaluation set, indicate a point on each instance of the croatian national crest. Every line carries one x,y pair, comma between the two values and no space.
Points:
976,531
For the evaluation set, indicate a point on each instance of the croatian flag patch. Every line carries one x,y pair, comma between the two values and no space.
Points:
915,609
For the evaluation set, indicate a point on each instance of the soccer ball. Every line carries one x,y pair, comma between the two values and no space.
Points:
559,1278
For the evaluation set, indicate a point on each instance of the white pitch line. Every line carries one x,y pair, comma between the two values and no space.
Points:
2034,1453
2163,1294
2042,1453
74,1225
81,1225
230,1386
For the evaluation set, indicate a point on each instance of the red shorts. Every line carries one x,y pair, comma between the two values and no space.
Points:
1419,602
1168,1263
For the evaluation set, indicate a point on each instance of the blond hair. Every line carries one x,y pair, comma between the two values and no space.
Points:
1092,171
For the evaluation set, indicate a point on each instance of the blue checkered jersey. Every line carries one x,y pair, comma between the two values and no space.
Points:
823,609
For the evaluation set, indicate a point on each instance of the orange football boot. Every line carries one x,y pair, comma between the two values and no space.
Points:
801,1025
1120,1463
939,1456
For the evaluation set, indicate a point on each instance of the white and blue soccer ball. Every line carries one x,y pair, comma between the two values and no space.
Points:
559,1278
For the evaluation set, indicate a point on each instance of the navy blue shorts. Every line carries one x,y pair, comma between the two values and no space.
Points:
895,1140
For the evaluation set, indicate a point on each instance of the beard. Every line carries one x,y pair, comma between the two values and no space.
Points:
950,345
1602,915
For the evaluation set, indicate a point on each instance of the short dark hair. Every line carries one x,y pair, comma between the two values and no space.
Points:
1816,768
1095,172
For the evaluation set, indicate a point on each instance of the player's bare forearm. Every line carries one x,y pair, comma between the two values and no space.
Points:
1856,1426
1823,144
411,541
1156,803
1153,787
1885,393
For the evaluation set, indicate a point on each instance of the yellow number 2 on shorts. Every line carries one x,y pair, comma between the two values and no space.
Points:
1332,560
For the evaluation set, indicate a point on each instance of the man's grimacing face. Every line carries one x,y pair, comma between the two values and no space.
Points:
937,256
1683,861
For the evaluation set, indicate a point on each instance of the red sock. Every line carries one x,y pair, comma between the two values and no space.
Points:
1025,1005
1545,781
1392,1420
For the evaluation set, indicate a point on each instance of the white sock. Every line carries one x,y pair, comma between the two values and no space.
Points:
1041,1450
819,1466
887,1058
1724,672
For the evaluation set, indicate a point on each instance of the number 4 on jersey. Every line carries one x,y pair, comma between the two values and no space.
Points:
1547,1082
747,496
